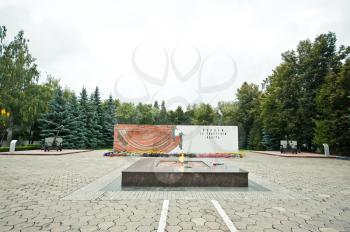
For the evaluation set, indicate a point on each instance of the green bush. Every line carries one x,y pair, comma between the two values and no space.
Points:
4,149
22,148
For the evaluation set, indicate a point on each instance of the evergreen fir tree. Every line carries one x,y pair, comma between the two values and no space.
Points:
267,141
92,126
83,110
99,119
109,120
75,125
55,121
180,117
156,112
156,105
163,115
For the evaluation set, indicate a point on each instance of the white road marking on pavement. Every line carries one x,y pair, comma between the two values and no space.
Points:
163,216
224,216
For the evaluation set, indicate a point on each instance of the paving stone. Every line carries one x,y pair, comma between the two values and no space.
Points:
328,230
117,228
300,230
173,228
301,197
105,225
186,225
88,228
213,225
145,228
198,221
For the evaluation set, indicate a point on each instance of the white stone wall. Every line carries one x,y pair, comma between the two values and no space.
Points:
208,139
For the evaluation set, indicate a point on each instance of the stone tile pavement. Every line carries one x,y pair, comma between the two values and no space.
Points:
37,194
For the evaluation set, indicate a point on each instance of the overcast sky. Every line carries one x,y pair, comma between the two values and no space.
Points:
180,51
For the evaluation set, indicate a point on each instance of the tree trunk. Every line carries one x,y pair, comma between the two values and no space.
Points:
30,139
2,138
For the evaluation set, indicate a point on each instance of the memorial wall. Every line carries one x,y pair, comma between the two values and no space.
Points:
175,138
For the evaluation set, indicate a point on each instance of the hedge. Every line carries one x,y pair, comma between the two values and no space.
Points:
22,148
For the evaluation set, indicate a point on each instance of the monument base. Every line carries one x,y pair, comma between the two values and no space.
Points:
154,172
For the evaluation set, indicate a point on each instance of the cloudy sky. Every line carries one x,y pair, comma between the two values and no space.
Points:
182,51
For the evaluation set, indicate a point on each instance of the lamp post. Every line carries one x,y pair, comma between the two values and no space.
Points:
4,113
4,116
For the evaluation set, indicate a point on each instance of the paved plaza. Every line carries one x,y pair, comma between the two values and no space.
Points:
79,192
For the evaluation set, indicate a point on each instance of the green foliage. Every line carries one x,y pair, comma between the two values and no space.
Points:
332,124
109,120
163,115
304,95
179,116
306,98
22,148
203,115
144,114
229,113
98,117
156,113
247,115
55,122
84,114
76,137
126,113
267,141
83,123
19,91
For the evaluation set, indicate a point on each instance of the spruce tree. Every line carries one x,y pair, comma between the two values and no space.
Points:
180,117
109,120
156,112
156,105
267,141
98,116
83,110
75,125
92,126
55,121
163,115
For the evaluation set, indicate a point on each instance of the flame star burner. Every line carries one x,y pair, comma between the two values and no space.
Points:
154,172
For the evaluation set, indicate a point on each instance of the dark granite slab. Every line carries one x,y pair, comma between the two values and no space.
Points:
162,172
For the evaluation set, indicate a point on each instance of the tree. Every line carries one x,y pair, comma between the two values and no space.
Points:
163,115
179,116
98,117
315,61
126,113
267,142
40,96
144,114
156,105
248,113
93,127
203,115
84,115
279,104
18,79
109,120
288,106
55,122
332,124
76,137
189,114
156,113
